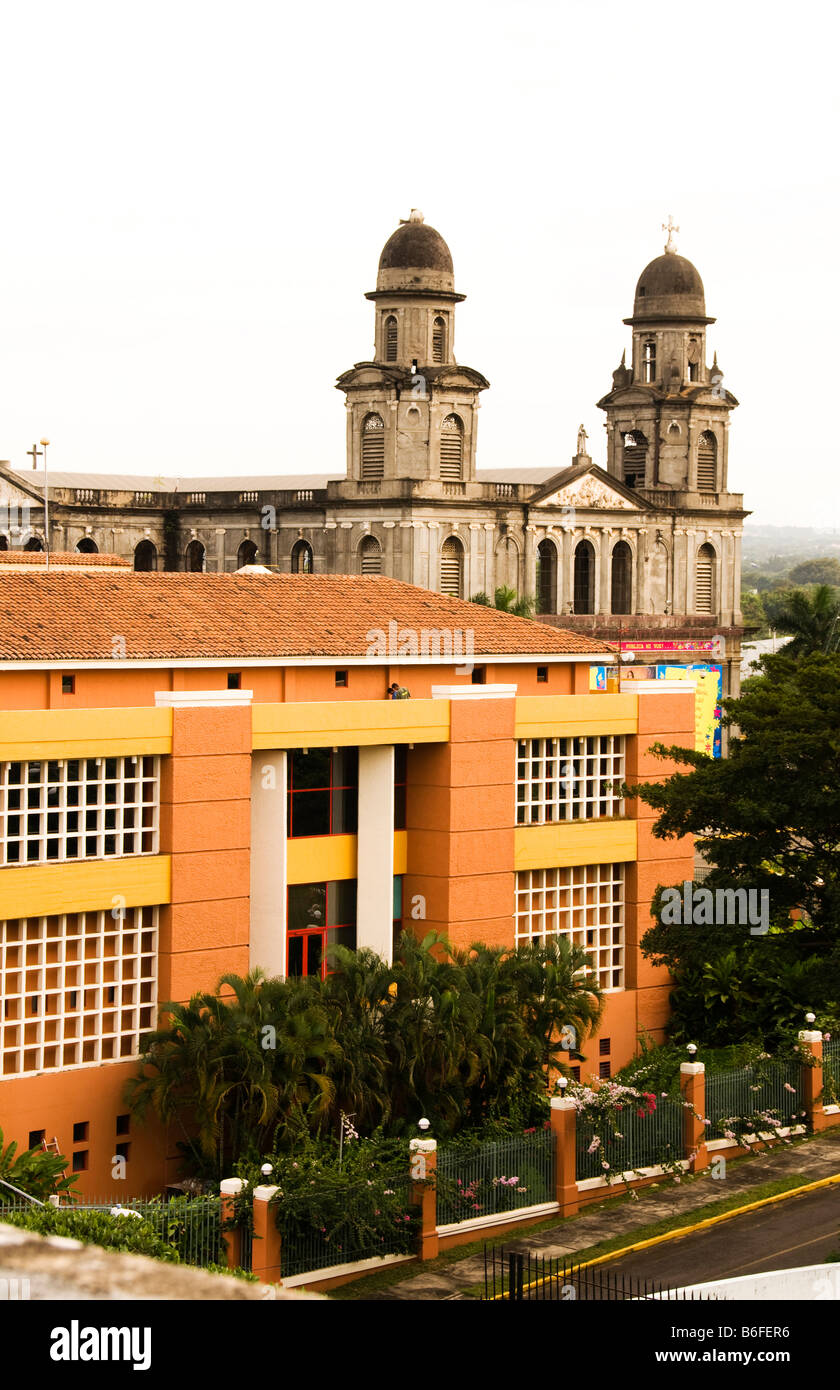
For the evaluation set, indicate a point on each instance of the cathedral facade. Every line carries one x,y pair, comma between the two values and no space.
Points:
645,550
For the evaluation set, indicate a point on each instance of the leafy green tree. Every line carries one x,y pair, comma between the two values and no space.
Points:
766,818
36,1172
506,601
752,610
825,570
461,1037
812,620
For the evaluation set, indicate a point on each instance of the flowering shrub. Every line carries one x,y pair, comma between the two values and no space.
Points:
608,1109
363,1207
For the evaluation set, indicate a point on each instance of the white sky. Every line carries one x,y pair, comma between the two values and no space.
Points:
195,197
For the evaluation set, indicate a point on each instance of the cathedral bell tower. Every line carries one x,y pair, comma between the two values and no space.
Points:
668,414
412,411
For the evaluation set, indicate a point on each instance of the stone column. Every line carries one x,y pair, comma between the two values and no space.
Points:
693,1090
570,540
603,596
375,862
690,563
265,1251
642,566
388,548
489,555
433,557
476,559
563,1126
528,586
220,549
343,547
423,1167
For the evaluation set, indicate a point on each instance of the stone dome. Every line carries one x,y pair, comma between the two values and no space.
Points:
415,257
669,288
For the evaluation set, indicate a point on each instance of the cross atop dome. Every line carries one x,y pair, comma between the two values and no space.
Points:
670,227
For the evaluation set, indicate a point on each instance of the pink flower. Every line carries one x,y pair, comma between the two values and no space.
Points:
605,1165
826,1037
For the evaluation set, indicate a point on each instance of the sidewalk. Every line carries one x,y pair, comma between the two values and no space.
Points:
815,1158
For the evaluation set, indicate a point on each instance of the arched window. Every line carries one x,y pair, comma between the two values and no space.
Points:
621,579
302,558
584,578
546,585
370,556
34,543
451,449
635,458
452,567
692,354
707,462
87,546
145,557
4,543
439,340
704,580
390,339
649,361
373,448
196,558
247,554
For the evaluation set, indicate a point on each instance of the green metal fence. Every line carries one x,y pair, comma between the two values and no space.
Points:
191,1225
772,1087
373,1219
643,1141
831,1072
490,1178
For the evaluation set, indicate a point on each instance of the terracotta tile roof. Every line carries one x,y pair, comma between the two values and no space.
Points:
61,559
75,616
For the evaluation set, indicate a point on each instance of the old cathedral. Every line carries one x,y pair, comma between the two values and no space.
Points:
645,550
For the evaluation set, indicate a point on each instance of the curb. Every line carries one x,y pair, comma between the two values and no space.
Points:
710,1221
697,1226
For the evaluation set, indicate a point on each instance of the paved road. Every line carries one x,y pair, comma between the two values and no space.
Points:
799,1231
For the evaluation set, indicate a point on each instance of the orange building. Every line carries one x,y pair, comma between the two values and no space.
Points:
202,773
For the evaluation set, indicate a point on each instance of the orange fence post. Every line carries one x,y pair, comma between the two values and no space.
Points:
563,1126
228,1189
424,1192
693,1089
265,1259
812,1081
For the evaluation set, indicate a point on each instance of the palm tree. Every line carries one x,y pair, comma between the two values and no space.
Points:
505,601
812,621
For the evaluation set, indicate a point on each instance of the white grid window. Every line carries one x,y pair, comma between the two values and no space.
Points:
561,779
76,989
584,904
78,808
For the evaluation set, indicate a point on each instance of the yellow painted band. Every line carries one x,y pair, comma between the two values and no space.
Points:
320,858
40,890
566,716
349,723
564,844
84,733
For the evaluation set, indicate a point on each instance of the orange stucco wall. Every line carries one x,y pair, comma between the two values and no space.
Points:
461,818
122,687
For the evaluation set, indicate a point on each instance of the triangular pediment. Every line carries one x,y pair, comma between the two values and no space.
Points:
587,489
14,493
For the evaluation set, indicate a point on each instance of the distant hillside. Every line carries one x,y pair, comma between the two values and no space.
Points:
763,544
